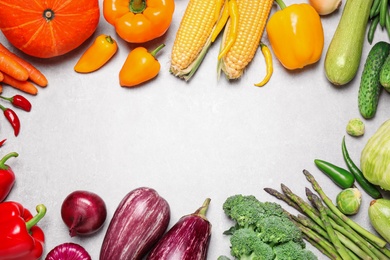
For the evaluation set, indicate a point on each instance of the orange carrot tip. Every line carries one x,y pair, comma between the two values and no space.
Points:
24,86
34,74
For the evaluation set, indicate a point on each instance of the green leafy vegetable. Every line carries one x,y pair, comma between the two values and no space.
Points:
260,228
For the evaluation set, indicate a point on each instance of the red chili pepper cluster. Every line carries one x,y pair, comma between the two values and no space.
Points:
19,102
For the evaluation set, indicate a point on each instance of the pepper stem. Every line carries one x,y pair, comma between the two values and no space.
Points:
41,212
137,6
155,51
281,4
109,39
6,98
2,107
201,212
3,166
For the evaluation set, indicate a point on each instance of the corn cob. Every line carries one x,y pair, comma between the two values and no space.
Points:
253,16
193,37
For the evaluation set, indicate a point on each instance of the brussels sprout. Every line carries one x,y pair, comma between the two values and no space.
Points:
379,214
355,127
375,157
349,200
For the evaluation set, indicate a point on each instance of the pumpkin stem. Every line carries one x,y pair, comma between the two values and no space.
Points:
48,14
137,6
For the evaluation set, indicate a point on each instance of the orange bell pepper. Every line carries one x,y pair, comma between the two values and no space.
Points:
98,54
139,67
138,21
296,35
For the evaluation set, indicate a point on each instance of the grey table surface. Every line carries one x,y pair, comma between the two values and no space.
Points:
187,140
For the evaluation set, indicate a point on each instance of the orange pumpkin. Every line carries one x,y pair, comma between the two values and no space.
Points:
48,28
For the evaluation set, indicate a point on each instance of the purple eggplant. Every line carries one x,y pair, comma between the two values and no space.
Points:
188,239
138,223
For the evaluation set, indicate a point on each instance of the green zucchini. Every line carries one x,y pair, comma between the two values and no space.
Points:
384,77
344,53
370,86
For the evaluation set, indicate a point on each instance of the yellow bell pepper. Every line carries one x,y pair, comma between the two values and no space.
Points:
296,35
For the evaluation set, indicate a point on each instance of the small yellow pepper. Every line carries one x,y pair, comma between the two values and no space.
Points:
98,54
139,67
268,62
234,17
296,35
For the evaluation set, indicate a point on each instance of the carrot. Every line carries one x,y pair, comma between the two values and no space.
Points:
1,76
25,86
35,75
12,68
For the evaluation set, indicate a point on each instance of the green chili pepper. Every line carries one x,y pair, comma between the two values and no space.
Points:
372,28
338,175
368,187
375,8
382,12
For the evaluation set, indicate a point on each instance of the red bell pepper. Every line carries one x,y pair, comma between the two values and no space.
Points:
20,238
7,176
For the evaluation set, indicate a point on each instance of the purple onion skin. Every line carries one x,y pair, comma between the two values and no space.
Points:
138,223
83,212
68,251
188,239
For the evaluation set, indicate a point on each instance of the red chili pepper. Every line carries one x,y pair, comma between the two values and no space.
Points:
20,238
2,142
7,176
19,101
13,118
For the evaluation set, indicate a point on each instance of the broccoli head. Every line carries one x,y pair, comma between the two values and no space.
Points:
246,245
244,210
292,251
277,229
263,231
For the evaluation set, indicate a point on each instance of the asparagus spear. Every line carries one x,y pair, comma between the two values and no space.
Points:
327,246
365,233
336,223
328,227
283,197
316,245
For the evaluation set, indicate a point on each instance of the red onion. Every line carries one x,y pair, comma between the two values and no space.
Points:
83,212
68,251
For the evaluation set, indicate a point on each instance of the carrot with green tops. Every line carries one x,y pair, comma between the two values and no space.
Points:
25,86
34,74
11,67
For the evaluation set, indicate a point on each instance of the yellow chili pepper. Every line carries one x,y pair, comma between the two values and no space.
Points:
218,9
268,61
139,67
233,14
221,22
98,54
296,35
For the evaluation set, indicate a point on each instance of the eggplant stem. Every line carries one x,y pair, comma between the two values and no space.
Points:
202,210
